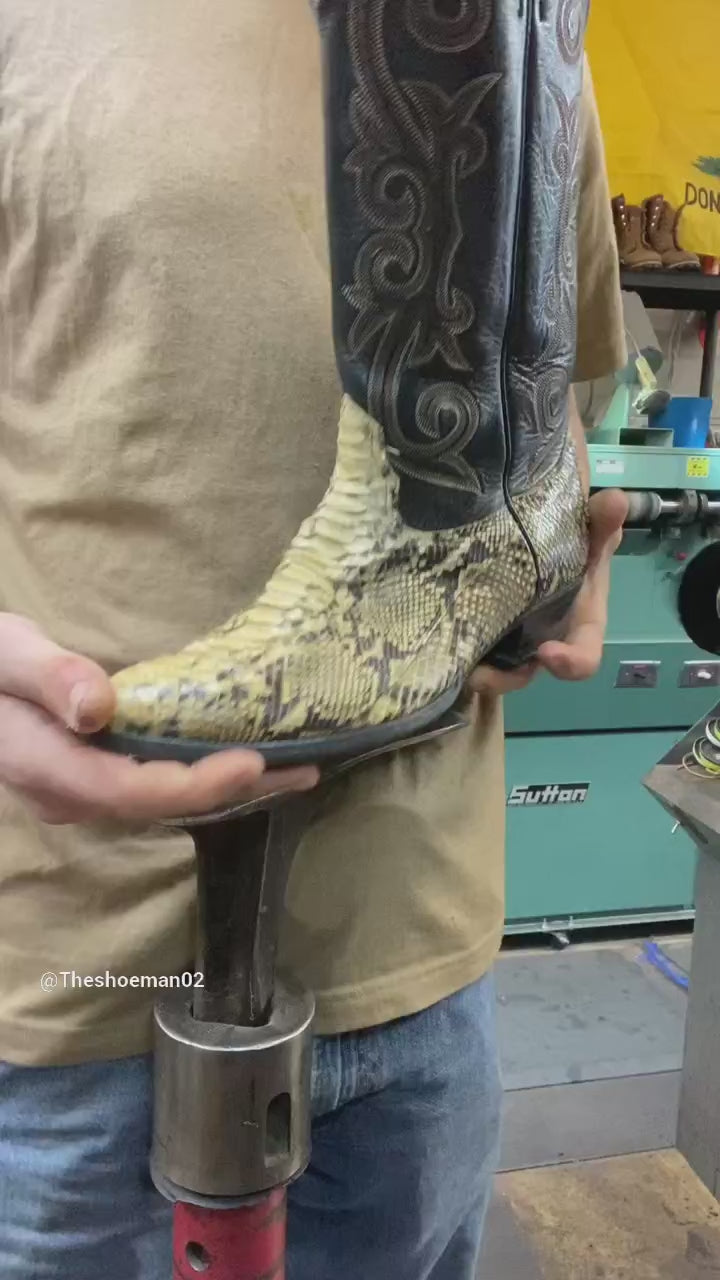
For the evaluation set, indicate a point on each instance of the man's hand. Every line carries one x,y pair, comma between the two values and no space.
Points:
46,691
578,656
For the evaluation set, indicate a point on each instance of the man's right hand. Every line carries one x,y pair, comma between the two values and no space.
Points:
46,692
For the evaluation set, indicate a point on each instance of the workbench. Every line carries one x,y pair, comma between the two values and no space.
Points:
694,802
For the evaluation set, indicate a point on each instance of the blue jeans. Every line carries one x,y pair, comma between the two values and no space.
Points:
405,1139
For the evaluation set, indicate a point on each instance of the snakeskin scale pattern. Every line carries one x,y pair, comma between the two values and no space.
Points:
554,513
366,619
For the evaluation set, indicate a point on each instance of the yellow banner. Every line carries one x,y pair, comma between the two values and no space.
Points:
656,68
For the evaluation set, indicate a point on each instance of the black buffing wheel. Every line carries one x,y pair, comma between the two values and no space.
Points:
699,599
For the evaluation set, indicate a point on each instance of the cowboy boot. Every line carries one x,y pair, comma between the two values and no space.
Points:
661,231
454,527
630,232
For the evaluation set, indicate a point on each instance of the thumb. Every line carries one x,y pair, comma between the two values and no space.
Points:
608,512
69,686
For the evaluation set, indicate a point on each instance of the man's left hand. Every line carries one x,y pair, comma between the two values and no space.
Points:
579,655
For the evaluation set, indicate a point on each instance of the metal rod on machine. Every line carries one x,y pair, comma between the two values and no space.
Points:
242,871
237,978
644,507
689,507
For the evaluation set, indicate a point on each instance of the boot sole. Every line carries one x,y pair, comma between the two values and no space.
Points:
293,751
515,648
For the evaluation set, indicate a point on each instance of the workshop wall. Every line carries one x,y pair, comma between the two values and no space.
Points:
688,357
655,73
594,398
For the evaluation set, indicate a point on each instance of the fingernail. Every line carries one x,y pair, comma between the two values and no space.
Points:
80,719
307,781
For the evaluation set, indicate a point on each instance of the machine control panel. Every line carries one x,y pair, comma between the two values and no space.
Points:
637,675
698,675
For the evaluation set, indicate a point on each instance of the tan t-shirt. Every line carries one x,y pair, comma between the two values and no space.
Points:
168,405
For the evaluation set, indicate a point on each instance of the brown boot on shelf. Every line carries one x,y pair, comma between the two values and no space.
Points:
661,230
633,248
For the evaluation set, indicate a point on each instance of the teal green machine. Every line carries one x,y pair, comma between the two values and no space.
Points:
587,845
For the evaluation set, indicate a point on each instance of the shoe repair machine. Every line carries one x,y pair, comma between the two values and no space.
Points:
576,753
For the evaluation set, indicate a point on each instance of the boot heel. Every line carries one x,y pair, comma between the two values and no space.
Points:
547,621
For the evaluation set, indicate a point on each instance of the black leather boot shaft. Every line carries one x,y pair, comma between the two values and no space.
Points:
452,130
543,325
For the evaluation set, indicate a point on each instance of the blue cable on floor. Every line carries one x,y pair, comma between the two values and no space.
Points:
655,956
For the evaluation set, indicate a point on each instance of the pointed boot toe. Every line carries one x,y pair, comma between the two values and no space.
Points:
154,699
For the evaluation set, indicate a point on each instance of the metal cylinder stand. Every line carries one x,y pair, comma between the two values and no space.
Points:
233,1056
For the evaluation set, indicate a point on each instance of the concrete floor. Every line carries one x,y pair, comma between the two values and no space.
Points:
643,1217
591,1012
591,1041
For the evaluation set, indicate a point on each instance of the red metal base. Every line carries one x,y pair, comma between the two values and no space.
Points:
231,1244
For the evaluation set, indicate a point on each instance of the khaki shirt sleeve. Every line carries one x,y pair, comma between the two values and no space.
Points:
601,331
